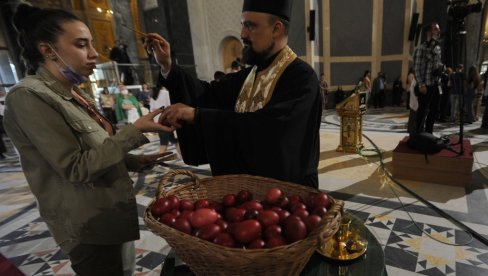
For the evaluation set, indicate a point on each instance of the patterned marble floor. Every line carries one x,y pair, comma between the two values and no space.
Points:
416,240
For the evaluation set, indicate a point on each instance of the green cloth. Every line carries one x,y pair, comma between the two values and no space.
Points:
120,113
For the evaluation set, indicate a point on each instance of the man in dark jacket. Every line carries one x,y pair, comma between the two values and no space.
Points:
119,55
426,64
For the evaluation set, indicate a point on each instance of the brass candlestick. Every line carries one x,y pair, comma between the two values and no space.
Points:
347,244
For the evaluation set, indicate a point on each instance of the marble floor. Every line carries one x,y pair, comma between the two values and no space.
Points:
415,238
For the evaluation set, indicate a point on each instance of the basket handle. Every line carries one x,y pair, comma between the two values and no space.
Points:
336,213
171,174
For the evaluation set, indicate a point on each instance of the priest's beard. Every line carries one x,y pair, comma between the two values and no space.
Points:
251,57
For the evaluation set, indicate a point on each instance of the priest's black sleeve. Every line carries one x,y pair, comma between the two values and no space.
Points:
184,88
280,141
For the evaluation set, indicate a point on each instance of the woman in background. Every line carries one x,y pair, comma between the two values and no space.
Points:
366,85
484,120
408,86
76,167
107,102
160,99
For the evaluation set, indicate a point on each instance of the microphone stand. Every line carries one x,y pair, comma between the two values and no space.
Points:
461,33
458,10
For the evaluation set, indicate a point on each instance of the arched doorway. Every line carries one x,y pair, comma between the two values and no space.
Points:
231,48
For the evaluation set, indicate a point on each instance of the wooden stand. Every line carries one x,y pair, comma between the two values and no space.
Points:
445,167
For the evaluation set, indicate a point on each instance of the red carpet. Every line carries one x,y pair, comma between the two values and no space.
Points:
445,167
7,268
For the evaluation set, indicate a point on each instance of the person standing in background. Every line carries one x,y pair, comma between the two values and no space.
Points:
397,92
366,85
378,91
413,105
445,102
160,99
235,67
127,109
458,87
119,54
408,87
143,95
218,75
74,162
473,86
484,122
3,148
426,65
478,97
339,95
107,102
324,89
144,110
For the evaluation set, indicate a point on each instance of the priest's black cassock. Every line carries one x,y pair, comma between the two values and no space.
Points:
280,141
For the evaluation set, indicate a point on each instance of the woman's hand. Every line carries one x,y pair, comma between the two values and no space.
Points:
146,123
148,161
161,49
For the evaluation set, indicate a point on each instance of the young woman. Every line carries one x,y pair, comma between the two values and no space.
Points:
408,86
75,164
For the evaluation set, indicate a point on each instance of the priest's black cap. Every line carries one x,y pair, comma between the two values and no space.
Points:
280,8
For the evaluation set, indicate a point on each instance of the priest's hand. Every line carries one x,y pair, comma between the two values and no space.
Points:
161,49
177,114
146,123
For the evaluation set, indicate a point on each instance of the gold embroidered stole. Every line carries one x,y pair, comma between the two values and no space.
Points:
258,89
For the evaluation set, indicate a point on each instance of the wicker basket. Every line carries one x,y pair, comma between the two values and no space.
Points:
206,258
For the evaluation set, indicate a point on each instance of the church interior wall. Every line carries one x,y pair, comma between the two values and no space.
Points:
298,28
371,34
393,27
351,28
345,73
474,27
123,15
210,23
180,32
171,20
319,34
204,59
392,69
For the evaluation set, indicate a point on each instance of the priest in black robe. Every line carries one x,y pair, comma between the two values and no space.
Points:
263,120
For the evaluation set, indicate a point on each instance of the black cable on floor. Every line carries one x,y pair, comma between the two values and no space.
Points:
455,221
